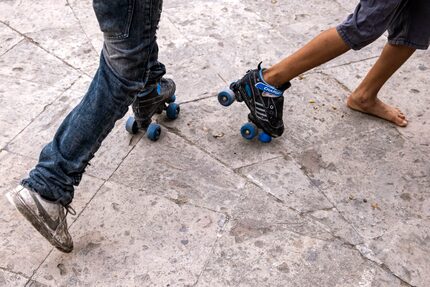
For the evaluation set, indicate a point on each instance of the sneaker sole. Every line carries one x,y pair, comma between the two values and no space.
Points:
12,196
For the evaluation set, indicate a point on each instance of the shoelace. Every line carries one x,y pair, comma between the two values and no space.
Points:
69,210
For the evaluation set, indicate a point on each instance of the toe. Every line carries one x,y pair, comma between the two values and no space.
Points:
401,122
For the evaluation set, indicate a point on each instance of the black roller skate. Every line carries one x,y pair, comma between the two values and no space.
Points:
161,97
265,103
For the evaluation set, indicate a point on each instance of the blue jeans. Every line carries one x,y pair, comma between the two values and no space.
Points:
128,66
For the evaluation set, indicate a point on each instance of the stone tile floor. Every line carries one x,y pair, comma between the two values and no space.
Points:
342,199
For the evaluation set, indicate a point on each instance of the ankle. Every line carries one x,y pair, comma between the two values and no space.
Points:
363,96
270,76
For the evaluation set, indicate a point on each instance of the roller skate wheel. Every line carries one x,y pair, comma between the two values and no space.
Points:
226,97
172,99
153,132
172,111
264,138
249,131
131,126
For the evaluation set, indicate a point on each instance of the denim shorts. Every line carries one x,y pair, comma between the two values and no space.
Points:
407,23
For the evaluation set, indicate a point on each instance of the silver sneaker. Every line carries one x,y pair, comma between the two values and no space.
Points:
47,217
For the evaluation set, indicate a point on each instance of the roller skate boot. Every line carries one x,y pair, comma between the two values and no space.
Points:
153,101
265,103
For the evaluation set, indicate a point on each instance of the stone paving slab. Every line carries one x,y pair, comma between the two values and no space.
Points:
11,279
8,38
282,256
338,225
384,179
282,14
167,248
84,14
384,184
175,169
268,244
277,38
340,200
62,40
18,63
289,184
208,36
409,241
15,97
260,212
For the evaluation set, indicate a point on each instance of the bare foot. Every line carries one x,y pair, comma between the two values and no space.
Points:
377,108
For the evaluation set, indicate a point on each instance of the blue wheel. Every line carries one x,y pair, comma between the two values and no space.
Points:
249,131
131,126
172,99
153,132
264,138
172,111
226,97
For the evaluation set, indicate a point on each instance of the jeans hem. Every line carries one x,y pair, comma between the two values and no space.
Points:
407,43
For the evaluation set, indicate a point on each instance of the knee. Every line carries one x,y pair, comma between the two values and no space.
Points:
126,66
359,36
368,22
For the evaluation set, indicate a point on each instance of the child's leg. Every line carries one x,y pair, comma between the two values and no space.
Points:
326,46
364,98
368,22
